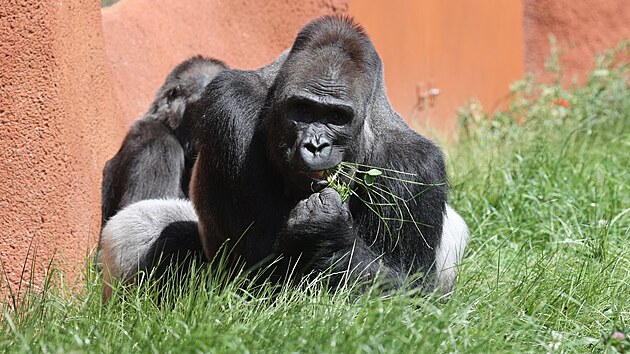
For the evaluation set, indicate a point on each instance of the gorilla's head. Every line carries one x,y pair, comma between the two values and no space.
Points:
320,101
184,86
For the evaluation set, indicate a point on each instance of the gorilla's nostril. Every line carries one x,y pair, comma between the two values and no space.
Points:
311,148
322,146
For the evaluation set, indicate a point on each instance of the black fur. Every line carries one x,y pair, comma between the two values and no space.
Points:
157,155
262,135
176,250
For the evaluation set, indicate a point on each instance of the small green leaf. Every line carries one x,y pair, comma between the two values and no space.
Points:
369,179
374,172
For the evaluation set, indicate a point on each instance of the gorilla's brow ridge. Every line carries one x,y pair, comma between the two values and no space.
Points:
327,86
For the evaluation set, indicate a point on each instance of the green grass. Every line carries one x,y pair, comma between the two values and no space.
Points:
544,189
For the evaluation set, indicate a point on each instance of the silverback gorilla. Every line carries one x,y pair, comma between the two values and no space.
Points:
267,140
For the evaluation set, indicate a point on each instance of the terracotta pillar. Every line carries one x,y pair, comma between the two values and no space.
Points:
56,124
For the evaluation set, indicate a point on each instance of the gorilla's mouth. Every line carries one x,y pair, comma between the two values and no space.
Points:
312,181
317,174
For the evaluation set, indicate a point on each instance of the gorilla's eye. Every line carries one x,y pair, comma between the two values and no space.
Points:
303,109
309,111
339,117
301,112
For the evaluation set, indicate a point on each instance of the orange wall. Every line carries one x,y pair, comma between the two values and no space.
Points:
464,48
145,39
581,28
56,117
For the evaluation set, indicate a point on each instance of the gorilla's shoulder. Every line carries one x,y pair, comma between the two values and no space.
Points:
400,148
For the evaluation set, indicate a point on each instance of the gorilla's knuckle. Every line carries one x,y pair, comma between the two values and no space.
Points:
330,197
313,202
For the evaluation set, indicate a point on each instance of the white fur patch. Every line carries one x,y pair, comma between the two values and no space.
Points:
128,236
451,250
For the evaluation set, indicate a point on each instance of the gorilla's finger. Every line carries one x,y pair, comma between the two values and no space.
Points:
314,202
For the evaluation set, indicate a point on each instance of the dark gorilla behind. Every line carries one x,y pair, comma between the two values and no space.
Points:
265,139
155,162
157,154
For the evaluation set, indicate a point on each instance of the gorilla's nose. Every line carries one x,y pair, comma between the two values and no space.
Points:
315,151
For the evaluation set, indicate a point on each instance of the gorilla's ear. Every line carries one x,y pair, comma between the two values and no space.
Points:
173,93
169,106
176,102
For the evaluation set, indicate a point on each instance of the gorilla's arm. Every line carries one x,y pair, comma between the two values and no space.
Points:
320,237
231,172
411,202
386,238
407,227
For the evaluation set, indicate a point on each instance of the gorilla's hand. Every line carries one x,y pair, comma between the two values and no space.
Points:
320,236
321,213
317,227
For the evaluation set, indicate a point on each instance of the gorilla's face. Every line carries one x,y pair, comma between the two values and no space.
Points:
318,136
316,119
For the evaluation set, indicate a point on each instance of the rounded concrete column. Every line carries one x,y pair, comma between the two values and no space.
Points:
57,127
